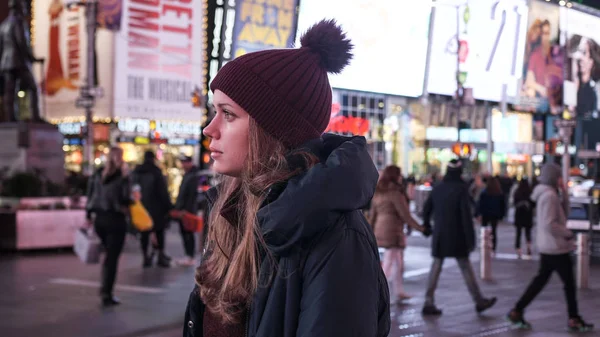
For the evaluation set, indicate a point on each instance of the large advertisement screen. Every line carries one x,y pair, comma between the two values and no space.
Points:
582,67
263,25
159,59
389,37
542,71
60,38
489,46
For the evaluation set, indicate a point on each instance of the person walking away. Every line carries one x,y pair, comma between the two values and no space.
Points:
453,235
555,243
389,212
492,208
156,200
187,201
108,201
523,215
289,252
475,189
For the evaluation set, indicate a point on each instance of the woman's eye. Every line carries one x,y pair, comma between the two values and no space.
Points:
227,115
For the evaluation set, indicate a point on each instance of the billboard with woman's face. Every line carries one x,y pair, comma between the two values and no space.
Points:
581,86
542,76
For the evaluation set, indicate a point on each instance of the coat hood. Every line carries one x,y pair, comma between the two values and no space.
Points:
539,190
344,180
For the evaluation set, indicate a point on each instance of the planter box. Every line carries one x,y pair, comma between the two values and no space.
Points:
39,229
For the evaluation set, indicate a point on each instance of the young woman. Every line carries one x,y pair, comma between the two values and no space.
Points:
109,196
289,252
389,212
523,215
492,207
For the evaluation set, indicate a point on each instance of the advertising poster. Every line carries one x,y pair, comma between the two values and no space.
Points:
390,42
490,46
109,14
159,59
582,66
261,25
542,73
61,39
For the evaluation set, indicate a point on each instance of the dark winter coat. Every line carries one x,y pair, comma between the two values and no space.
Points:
523,210
491,206
329,280
108,194
155,194
187,199
449,206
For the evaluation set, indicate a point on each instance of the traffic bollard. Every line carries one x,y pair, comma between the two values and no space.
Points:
583,261
486,253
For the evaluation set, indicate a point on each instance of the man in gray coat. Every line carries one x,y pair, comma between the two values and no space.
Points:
554,242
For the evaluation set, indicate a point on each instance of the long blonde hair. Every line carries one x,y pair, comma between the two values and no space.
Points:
113,162
229,276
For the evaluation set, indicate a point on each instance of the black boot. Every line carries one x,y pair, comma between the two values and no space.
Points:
163,260
148,259
485,304
109,301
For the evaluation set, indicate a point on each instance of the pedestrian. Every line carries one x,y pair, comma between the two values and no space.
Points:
187,201
388,216
156,200
108,200
555,243
453,235
289,252
524,207
492,207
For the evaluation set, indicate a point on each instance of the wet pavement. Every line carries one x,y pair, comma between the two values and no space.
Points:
53,294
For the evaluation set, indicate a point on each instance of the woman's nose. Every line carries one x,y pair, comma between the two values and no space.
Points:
211,130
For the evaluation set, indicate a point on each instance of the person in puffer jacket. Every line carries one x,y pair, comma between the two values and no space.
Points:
555,243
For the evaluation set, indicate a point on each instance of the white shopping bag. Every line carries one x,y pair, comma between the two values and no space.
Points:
87,246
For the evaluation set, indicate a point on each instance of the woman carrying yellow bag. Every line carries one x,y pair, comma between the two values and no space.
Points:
140,218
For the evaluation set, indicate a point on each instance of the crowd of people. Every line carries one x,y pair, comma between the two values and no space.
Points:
109,197
450,213
289,251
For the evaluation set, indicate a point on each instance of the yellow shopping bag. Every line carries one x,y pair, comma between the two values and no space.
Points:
140,218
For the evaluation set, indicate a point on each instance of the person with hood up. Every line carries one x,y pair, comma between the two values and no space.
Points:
449,205
555,243
156,200
289,252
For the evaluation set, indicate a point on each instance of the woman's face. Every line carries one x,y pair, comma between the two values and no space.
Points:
535,33
117,158
228,132
586,62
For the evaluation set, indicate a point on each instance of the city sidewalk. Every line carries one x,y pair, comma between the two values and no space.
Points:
53,294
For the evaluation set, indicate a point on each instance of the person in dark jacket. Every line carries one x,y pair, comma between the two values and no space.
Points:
492,207
108,199
453,235
187,201
289,251
523,215
155,198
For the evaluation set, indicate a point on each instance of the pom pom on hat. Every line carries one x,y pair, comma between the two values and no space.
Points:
328,40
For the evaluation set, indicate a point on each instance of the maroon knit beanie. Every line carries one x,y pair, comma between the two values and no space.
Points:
287,91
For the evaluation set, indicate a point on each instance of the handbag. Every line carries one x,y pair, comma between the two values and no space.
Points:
192,222
140,218
87,246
